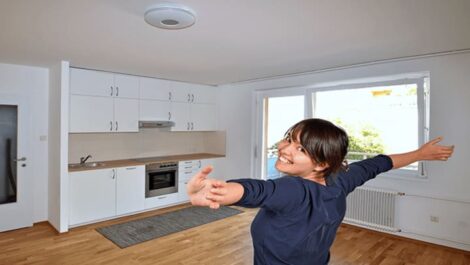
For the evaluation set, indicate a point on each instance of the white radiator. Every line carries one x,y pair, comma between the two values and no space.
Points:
372,208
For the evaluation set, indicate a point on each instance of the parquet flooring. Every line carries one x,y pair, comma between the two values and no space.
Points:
225,241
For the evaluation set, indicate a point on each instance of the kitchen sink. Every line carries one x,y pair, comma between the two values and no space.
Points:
90,164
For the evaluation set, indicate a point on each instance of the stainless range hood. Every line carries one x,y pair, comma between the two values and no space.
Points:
156,124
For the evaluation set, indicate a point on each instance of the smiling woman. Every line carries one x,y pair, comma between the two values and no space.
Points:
301,212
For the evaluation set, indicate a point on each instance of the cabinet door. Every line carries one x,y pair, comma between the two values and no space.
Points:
182,191
203,94
180,92
92,195
203,117
152,88
92,83
130,189
126,86
154,110
126,115
91,114
180,115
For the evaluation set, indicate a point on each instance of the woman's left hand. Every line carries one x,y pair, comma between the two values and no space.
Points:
433,151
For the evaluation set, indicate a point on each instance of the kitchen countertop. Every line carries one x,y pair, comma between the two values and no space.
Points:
139,162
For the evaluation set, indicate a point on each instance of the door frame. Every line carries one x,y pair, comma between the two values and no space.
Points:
259,122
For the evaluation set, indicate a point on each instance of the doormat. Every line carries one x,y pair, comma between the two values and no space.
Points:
138,231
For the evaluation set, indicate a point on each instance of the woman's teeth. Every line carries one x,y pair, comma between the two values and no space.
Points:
284,160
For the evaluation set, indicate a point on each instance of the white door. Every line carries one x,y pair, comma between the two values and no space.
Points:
126,86
16,181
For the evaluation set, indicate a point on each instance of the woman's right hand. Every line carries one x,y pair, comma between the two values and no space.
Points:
198,188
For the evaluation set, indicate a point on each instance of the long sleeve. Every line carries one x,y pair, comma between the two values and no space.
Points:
362,171
279,195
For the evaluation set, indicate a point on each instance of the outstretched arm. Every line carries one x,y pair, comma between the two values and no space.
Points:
203,191
429,151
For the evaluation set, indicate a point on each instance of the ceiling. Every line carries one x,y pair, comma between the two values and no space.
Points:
232,40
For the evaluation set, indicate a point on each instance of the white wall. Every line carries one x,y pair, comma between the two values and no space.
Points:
446,191
32,83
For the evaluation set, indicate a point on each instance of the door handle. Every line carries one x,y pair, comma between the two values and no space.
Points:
20,159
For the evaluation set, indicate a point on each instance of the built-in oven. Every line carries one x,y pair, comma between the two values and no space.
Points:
161,178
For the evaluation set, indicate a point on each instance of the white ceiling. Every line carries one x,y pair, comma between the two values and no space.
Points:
232,40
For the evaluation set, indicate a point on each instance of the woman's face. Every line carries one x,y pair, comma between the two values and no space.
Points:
294,160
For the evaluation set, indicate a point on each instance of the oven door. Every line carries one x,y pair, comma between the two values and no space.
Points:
161,181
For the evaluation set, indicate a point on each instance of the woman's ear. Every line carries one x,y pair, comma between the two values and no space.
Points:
320,167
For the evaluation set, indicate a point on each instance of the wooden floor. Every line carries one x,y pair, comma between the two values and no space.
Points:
223,242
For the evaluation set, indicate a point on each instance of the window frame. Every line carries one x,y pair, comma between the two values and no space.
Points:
423,113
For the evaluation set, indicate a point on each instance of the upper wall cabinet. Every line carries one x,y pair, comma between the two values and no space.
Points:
103,102
97,83
155,89
193,107
192,93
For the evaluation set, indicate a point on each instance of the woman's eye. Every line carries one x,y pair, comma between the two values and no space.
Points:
301,149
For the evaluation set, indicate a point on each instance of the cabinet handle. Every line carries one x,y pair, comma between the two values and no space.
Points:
192,126
130,168
188,126
117,126
169,116
189,98
161,198
169,95
192,97
111,125
200,164
117,91
114,173
111,91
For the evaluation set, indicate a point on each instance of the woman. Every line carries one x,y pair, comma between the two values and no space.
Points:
300,213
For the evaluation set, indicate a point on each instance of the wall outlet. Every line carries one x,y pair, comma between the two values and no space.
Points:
434,219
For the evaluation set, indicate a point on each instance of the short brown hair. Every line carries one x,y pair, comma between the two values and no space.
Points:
324,143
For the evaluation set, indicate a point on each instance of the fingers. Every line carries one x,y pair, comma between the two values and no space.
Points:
435,140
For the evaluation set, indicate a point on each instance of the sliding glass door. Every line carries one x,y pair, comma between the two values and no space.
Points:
277,114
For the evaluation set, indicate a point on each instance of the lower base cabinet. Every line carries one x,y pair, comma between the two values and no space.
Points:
104,193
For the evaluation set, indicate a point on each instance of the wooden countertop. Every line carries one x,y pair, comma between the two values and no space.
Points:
139,162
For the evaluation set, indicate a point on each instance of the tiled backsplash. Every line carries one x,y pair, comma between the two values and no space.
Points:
146,143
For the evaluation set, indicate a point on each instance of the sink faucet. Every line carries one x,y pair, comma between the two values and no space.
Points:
84,159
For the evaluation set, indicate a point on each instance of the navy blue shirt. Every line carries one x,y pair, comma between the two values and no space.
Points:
298,218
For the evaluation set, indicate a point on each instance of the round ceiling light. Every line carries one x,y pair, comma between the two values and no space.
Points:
170,16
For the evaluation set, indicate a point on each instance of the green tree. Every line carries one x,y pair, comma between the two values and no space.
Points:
366,139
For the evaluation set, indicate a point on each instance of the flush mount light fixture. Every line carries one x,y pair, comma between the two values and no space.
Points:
170,16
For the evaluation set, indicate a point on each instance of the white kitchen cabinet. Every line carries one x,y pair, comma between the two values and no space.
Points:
162,201
180,113
203,117
130,189
155,89
104,193
157,110
105,84
193,107
186,170
126,86
91,83
126,115
103,102
103,114
92,195
192,93
91,114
